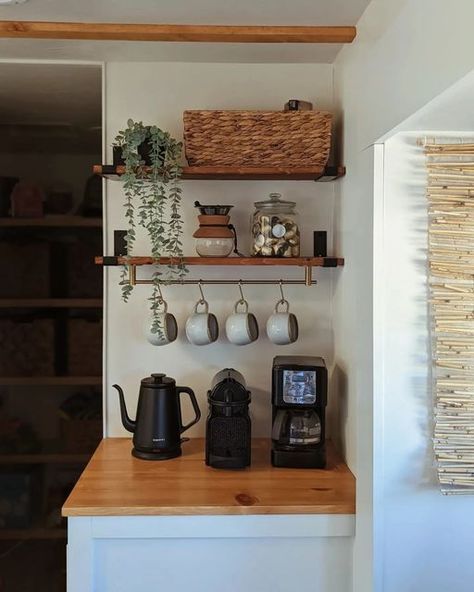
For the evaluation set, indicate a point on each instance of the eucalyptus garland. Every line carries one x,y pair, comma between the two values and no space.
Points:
153,200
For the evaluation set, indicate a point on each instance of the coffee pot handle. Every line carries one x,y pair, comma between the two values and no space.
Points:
197,411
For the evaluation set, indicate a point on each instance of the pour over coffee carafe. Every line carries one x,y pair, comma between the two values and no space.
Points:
215,237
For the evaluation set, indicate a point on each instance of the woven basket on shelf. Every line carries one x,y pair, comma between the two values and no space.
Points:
257,138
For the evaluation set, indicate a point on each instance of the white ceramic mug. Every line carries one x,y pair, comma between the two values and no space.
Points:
241,327
166,327
282,327
202,327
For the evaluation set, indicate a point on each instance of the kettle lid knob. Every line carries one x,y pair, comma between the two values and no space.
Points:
158,377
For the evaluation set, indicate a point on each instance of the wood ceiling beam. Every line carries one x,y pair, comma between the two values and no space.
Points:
187,33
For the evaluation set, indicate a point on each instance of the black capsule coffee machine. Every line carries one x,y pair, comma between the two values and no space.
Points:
228,426
299,397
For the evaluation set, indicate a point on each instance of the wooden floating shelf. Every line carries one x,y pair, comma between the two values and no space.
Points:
329,173
226,261
50,381
51,303
52,222
177,32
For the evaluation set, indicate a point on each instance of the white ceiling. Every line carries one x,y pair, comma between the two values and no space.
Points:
224,12
217,12
39,102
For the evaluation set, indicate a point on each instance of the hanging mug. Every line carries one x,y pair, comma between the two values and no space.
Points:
202,327
163,329
241,327
282,326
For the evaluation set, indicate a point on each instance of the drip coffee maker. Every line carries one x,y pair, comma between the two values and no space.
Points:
299,396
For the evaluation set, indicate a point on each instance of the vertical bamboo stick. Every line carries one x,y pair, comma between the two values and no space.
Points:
450,197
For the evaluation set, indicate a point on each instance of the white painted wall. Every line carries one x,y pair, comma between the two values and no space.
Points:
160,92
405,54
428,537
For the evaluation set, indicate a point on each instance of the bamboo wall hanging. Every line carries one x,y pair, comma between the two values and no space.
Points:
450,195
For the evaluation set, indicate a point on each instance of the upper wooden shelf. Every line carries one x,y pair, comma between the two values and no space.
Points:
53,222
329,173
176,32
116,484
235,261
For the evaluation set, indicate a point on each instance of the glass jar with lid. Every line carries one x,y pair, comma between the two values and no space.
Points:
275,228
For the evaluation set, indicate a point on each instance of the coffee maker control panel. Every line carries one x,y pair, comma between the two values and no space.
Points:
299,387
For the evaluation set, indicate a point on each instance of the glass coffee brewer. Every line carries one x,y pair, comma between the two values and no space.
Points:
299,397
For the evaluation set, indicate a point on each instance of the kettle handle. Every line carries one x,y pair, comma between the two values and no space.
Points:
197,411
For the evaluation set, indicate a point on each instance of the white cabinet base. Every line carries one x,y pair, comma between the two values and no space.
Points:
210,553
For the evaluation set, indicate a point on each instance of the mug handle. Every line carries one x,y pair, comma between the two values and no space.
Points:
164,304
244,303
197,411
283,302
203,303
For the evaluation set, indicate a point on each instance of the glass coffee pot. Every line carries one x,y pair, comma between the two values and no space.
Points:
296,427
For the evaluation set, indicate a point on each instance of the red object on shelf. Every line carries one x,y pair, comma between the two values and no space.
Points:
27,201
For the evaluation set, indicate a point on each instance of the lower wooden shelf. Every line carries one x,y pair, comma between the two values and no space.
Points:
223,261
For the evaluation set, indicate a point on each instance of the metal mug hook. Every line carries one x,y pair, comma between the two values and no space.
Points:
203,299
281,291
282,300
242,297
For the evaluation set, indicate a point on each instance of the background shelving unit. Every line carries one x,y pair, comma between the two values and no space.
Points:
50,302
64,245
51,222
50,381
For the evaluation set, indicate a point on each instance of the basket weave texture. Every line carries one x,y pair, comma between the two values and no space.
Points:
257,138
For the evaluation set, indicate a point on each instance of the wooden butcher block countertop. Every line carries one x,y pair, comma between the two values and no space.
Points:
116,484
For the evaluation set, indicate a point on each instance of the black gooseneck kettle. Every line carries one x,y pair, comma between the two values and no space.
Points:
158,425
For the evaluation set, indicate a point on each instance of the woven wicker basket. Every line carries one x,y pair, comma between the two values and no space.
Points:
257,138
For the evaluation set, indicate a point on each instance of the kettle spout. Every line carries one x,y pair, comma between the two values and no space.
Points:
128,424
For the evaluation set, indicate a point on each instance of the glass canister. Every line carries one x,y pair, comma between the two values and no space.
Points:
275,228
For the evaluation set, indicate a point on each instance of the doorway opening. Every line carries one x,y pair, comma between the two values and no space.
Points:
50,309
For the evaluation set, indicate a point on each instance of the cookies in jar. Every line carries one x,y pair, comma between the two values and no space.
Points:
275,228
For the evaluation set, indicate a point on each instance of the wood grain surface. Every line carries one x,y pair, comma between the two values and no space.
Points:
232,261
240,173
168,32
117,484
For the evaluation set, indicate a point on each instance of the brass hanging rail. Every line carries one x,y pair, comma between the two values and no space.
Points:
306,263
133,281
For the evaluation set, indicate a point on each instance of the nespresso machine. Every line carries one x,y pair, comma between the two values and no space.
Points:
228,426
299,397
